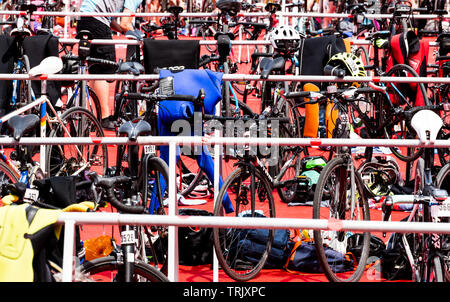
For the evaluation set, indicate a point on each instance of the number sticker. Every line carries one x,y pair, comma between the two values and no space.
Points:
127,237
31,195
150,149
444,209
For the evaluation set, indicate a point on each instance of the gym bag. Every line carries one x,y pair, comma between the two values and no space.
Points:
303,258
394,262
195,244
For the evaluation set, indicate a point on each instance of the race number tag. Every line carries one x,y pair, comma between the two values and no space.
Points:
127,237
31,195
150,149
444,209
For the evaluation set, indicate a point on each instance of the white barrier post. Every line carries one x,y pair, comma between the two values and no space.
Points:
217,175
173,211
69,250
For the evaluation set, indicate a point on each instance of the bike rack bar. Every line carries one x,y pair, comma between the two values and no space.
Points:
257,223
229,141
237,222
236,77
206,15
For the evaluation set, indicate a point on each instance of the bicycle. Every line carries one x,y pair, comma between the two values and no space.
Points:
339,192
145,179
249,189
22,167
430,204
79,93
125,263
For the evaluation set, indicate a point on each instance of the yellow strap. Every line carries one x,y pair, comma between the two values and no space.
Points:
348,46
9,199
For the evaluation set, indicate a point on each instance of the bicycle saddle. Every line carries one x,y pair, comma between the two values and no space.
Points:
84,35
427,124
383,34
444,43
134,35
268,65
133,129
49,65
17,189
223,43
254,24
175,10
20,126
131,67
231,7
20,31
436,193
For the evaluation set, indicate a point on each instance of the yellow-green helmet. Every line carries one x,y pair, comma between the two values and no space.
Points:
352,65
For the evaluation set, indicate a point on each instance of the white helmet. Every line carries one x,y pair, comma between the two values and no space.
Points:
285,39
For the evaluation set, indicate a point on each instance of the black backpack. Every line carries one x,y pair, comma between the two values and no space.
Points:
394,262
195,244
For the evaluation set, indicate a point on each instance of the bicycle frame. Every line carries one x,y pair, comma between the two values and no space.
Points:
429,202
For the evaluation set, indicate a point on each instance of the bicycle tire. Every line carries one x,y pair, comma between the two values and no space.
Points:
420,252
7,176
443,177
236,266
444,153
92,104
362,53
435,272
402,129
334,170
150,174
212,48
28,90
110,264
288,130
188,178
66,161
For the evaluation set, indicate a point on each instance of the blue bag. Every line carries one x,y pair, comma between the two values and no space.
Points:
190,81
303,258
251,246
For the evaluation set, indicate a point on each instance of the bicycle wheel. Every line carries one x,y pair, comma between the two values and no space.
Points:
229,243
400,96
69,159
154,188
206,33
106,269
189,175
443,177
286,108
435,270
332,200
92,103
419,240
361,52
23,91
7,176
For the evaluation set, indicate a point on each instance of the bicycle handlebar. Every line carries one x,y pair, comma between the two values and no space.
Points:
108,184
90,59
